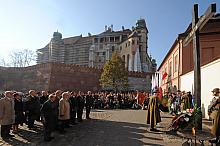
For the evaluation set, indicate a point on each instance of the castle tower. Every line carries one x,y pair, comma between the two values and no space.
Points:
143,44
56,48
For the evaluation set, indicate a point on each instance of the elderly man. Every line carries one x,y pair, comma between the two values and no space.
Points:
7,114
32,108
64,111
48,112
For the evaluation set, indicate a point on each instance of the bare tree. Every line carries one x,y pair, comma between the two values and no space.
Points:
22,58
2,62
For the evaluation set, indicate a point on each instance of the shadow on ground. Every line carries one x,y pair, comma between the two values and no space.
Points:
90,133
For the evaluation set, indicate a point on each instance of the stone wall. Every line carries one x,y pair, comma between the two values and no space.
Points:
53,76
23,79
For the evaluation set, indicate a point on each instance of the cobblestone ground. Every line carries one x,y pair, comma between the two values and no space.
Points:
107,128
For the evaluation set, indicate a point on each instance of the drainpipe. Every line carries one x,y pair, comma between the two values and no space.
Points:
179,66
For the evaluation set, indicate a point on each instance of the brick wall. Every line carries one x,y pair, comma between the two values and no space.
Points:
53,76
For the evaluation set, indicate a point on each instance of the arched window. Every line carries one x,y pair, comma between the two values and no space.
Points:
128,57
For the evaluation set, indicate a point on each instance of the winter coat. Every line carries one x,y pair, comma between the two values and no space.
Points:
7,112
64,109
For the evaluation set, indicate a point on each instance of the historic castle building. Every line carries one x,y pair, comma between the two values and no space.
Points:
95,50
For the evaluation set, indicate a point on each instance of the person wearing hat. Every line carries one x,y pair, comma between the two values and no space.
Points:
214,113
153,112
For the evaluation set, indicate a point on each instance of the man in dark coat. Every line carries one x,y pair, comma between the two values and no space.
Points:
153,112
32,108
73,108
44,97
89,103
48,113
80,105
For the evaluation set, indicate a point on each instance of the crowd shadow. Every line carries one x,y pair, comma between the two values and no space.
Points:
24,136
95,132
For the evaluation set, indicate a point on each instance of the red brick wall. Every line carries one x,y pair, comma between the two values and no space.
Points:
54,76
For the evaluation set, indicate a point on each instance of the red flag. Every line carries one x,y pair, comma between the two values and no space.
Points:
164,76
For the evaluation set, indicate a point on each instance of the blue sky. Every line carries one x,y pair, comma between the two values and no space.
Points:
29,24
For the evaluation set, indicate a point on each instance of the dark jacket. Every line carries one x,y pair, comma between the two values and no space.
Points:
19,109
33,107
48,112
89,101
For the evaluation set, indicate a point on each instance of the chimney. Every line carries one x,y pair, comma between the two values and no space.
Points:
112,27
105,27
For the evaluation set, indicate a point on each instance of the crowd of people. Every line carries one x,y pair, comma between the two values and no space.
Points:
179,102
60,110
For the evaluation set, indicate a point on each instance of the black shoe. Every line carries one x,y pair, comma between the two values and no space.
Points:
153,129
52,137
5,137
62,132
88,118
214,140
47,139
10,135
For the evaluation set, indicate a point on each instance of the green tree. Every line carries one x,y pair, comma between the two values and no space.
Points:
114,74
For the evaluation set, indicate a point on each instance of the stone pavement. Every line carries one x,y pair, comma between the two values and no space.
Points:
107,128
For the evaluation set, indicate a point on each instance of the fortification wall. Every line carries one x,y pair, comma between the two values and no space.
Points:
53,76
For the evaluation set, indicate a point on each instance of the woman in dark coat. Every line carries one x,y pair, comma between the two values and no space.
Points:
19,115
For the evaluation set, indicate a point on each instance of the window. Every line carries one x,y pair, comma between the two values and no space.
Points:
117,39
176,63
103,53
101,40
170,68
96,40
128,57
113,48
123,58
111,39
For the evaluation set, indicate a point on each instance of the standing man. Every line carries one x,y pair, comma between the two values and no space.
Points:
32,108
64,111
80,105
73,108
49,115
153,112
214,112
89,102
7,114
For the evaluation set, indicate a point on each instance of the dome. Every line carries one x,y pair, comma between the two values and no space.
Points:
57,35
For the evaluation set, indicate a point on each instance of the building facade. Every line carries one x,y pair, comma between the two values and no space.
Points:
177,67
95,50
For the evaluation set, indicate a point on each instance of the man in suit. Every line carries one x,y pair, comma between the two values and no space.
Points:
88,105
48,113
33,108
7,114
